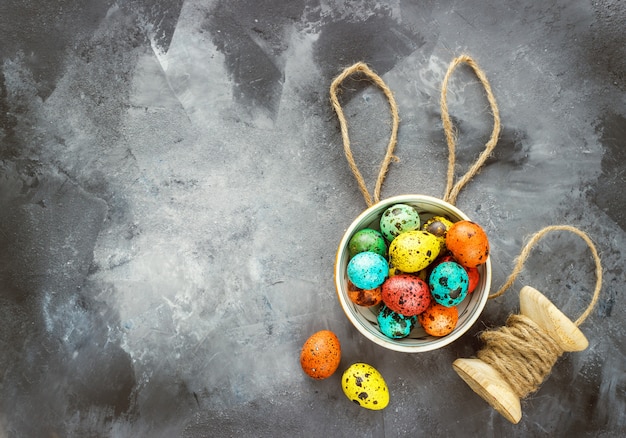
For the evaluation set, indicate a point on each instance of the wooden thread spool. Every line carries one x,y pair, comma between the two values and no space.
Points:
518,357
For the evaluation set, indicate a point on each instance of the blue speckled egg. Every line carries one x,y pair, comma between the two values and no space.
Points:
448,283
394,325
367,270
398,219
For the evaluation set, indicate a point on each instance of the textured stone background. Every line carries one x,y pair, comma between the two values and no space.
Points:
173,190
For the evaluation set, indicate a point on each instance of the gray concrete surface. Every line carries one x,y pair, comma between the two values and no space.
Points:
173,190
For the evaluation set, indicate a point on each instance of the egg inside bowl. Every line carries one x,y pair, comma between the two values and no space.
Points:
365,318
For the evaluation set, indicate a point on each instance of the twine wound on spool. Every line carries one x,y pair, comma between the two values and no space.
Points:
518,357
452,190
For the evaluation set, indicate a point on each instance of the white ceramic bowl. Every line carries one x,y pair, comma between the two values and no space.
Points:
364,318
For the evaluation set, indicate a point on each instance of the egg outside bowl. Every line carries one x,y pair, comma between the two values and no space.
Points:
364,318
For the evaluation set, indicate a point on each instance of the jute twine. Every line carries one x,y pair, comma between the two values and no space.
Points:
452,190
522,352
363,69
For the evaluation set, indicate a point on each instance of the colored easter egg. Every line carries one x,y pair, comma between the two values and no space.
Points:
364,385
398,219
473,274
438,226
438,320
320,355
367,239
468,243
364,297
448,283
474,278
393,324
406,294
413,251
367,270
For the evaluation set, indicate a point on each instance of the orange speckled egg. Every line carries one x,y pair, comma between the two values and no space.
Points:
468,243
320,355
364,297
438,320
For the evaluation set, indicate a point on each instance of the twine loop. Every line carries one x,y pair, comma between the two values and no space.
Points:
535,238
452,190
363,69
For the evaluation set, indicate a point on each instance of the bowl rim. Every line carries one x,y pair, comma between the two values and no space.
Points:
349,307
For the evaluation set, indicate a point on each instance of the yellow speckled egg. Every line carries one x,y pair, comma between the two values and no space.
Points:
365,386
413,251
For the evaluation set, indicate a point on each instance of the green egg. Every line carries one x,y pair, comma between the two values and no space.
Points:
413,251
398,219
367,239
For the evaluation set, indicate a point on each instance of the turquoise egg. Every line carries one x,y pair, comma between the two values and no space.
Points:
367,239
393,324
367,270
448,283
398,219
